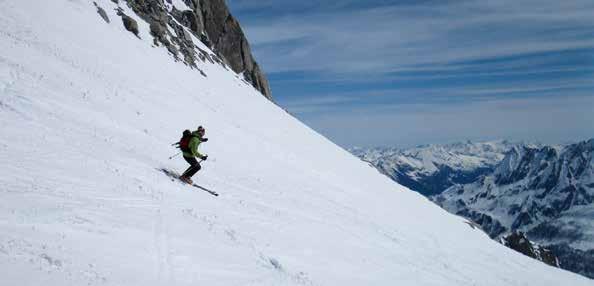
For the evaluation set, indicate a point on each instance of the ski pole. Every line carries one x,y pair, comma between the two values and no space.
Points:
175,155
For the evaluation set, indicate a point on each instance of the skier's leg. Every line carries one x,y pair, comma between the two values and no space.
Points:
191,161
193,169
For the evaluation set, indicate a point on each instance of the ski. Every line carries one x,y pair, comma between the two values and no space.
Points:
206,190
175,176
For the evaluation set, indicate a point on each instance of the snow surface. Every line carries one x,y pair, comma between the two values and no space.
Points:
87,114
179,5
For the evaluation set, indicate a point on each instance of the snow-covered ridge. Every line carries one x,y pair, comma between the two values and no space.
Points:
460,156
88,112
431,169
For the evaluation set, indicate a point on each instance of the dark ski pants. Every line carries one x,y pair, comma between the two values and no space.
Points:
194,167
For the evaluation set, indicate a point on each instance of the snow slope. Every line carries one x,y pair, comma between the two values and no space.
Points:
87,114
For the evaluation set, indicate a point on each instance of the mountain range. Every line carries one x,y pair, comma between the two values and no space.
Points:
430,169
544,193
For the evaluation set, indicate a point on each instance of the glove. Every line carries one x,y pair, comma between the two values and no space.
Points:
204,139
204,157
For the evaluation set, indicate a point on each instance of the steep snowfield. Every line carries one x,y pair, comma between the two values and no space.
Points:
87,114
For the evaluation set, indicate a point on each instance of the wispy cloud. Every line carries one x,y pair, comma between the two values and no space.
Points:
343,58
397,36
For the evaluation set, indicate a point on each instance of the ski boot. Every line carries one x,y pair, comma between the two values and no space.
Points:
186,180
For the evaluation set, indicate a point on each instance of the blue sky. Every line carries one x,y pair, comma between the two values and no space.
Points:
402,73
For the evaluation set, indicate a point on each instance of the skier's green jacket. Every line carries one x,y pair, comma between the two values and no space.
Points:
195,140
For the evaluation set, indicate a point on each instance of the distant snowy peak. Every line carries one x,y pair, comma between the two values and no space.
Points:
520,162
431,169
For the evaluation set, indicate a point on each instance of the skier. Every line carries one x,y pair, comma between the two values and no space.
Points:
189,146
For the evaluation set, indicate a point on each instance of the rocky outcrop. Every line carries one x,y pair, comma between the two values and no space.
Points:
102,13
211,22
129,23
518,242
575,260
227,38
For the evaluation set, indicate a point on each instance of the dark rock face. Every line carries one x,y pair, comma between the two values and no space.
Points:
211,22
518,242
575,260
129,23
227,38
